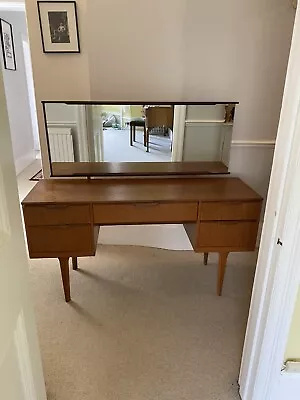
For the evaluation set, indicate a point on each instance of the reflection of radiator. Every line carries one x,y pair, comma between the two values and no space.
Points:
61,144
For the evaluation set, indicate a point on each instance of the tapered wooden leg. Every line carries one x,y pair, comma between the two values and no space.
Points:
221,271
65,276
205,258
74,263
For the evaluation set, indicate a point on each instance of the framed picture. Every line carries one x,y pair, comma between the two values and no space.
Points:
59,27
7,42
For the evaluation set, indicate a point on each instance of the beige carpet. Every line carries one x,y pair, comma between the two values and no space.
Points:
144,324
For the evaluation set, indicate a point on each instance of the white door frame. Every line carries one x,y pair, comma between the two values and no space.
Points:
277,277
178,132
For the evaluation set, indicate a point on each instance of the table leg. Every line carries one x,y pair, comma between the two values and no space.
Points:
221,272
74,263
131,138
133,128
147,139
64,268
205,258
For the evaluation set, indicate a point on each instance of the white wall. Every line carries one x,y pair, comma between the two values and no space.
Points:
16,91
177,50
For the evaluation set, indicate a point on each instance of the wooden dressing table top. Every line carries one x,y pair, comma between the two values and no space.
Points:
67,169
50,191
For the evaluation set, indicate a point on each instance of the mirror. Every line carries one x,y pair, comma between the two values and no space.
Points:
96,138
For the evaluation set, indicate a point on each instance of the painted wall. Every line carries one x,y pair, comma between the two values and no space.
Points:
237,51
293,344
16,90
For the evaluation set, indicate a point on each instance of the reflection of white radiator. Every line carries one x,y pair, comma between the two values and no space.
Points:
61,144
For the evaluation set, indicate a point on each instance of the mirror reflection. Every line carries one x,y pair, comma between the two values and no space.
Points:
119,133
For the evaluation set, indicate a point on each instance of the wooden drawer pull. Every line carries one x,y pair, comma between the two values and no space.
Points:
56,207
153,204
229,222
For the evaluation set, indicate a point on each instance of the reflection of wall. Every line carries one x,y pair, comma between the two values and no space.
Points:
293,345
17,98
206,138
202,142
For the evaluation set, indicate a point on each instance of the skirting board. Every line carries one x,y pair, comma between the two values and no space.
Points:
22,162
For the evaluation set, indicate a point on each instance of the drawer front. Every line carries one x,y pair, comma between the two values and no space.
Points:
230,211
240,234
143,213
60,239
56,215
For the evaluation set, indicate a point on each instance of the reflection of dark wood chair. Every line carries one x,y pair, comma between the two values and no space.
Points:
157,117
133,124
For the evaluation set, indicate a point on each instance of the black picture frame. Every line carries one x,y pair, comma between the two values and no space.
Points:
46,30
5,61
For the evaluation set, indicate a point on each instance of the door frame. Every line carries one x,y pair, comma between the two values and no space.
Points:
277,276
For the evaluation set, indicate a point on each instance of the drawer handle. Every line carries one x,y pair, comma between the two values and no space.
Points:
152,204
230,222
56,207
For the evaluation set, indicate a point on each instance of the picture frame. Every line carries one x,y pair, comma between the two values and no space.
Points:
8,47
59,26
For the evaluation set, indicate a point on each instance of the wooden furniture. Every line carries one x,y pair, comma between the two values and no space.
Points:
62,217
133,169
133,124
158,117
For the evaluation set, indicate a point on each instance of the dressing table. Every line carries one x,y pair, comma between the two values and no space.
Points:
63,215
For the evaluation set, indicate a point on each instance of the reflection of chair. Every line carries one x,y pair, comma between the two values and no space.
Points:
133,124
157,117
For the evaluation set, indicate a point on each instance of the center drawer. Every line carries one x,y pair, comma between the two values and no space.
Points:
145,213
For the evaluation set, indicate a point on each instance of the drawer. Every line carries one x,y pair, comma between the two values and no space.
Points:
56,215
232,234
48,240
230,211
145,213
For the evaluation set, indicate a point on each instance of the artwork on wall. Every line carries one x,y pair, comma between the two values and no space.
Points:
7,41
59,27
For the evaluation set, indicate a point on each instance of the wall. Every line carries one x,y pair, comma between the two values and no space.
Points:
16,90
235,51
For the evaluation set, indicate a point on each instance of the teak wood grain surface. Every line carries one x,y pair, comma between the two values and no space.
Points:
53,191
62,217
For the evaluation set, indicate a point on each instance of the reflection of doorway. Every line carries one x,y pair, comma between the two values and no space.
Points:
19,91
31,95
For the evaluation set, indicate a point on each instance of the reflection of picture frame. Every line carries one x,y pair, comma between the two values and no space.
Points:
59,26
7,42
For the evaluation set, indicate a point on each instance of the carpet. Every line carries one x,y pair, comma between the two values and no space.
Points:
143,324
38,176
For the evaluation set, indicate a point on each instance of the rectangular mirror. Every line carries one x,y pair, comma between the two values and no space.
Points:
91,139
